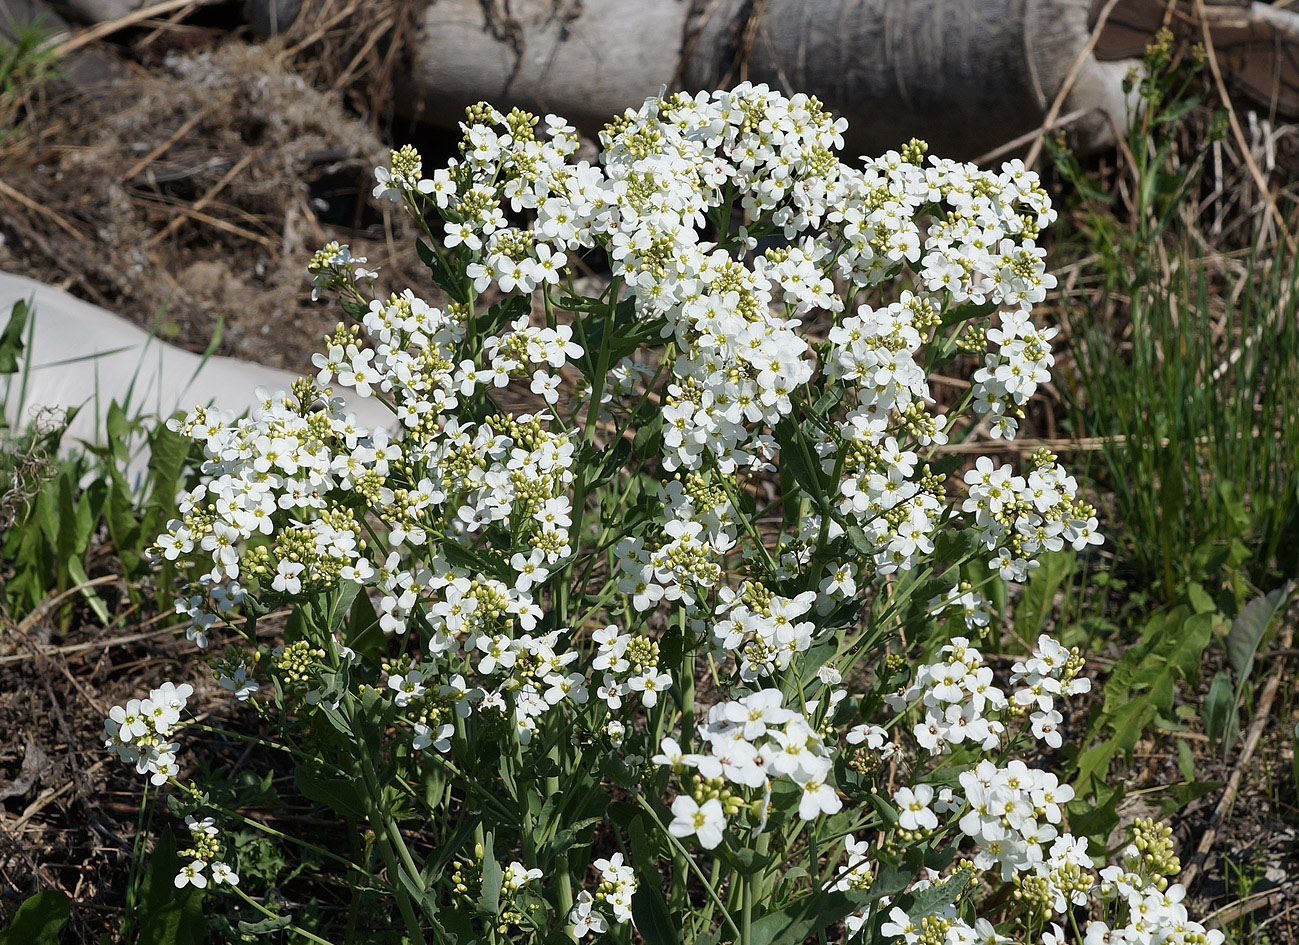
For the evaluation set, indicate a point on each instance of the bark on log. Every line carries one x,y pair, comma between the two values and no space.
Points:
966,75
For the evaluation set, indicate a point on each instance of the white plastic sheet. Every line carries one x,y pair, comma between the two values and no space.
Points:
82,356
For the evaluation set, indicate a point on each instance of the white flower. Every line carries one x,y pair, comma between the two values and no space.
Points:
818,798
707,822
425,736
407,687
913,808
191,875
222,874
546,386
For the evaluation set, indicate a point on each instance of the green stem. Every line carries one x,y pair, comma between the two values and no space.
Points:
694,867
746,909
309,936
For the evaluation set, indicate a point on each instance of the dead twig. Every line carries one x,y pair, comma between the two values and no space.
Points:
1259,180
109,27
1036,150
203,201
1252,739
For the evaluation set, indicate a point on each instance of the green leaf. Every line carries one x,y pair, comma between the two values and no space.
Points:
445,277
653,920
166,915
265,925
489,900
1247,632
745,861
340,794
39,920
1219,706
1179,795
1295,755
1185,760
505,311
363,632
11,340
168,451
793,458
1096,819
78,573
929,900
1037,602
816,913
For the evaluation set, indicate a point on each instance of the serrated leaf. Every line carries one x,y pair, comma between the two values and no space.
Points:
265,925
929,900
489,900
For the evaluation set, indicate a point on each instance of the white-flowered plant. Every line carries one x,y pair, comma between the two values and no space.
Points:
644,591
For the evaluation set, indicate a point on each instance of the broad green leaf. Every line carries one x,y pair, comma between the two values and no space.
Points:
363,632
816,913
78,574
1249,628
929,900
167,915
39,920
653,920
445,277
340,794
1038,600
1179,795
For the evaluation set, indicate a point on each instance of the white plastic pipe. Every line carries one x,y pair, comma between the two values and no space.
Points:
83,356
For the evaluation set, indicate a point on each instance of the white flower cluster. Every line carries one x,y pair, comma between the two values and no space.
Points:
1020,517
202,854
1155,912
750,742
1013,814
769,622
140,732
481,537
959,698
522,679
961,701
617,886
1142,907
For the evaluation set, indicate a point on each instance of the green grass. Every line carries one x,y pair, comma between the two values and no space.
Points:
27,63
1186,367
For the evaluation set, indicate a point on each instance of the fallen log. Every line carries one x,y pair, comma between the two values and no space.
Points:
966,75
